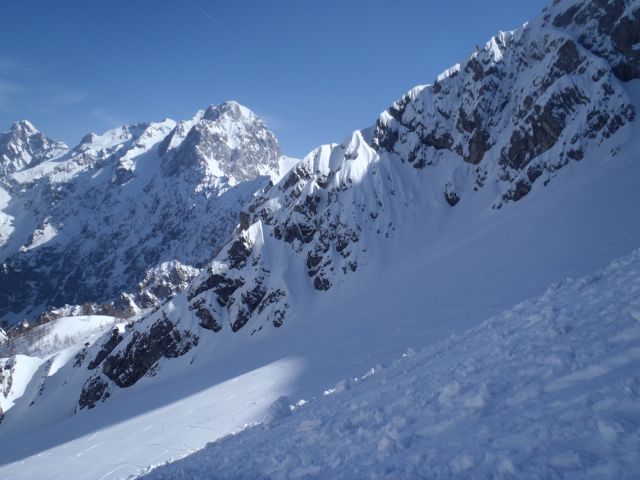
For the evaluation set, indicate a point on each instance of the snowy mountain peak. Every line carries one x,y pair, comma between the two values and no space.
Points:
24,146
146,202
226,140
24,126
232,109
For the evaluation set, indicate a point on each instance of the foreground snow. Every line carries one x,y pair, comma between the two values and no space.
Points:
550,388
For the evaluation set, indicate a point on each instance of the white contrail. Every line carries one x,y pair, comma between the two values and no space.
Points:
212,18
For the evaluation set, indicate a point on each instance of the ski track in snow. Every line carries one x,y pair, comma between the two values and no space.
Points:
548,389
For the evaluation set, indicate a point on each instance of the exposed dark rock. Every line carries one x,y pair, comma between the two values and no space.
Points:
309,207
568,58
242,317
575,154
442,141
596,121
238,253
245,220
609,29
297,174
250,300
451,196
81,355
566,17
298,231
323,180
207,320
479,143
95,390
144,349
625,36
272,298
384,138
534,172
253,297
313,261
321,282
546,125
122,175
475,67
222,285
520,189
278,318
107,347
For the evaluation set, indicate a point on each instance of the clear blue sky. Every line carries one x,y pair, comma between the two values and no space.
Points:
314,70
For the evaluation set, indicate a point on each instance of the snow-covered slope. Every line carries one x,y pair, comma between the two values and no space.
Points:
137,209
39,352
416,228
16,372
44,340
547,389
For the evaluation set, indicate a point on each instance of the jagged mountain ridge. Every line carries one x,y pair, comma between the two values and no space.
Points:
528,103
138,209
500,123
526,107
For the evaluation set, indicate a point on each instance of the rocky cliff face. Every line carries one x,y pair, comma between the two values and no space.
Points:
138,209
526,104
486,133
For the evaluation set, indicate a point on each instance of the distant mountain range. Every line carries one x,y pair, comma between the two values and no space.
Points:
124,219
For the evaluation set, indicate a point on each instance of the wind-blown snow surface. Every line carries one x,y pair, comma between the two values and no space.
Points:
548,389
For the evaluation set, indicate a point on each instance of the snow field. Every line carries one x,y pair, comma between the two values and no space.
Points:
548,389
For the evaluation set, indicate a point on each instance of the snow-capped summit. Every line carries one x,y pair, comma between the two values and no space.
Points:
24,146
23,126
224,140
232,109
128,210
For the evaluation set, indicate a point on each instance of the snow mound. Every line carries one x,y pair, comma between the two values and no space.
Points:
548,389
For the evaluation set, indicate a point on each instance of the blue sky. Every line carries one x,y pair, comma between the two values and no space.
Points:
314,71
